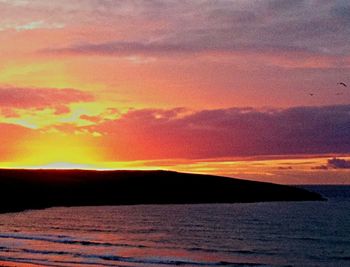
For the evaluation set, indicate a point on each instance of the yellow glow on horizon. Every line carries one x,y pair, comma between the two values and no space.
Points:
98,166
301,170
58,150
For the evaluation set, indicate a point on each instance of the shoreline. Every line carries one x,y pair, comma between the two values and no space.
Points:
155,204
158,204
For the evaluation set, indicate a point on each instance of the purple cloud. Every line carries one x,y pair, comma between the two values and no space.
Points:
230,132
334,163
339,163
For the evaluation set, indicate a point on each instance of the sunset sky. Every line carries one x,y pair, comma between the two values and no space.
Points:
246,89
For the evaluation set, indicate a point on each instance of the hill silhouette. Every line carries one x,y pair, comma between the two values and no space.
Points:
35,189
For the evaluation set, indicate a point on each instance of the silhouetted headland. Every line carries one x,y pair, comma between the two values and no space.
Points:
35,189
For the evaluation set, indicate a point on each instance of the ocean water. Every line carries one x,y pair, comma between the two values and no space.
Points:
255,234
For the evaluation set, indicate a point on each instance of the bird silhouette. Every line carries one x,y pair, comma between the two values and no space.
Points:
343,84
311,94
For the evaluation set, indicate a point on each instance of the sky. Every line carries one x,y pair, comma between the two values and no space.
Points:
246,89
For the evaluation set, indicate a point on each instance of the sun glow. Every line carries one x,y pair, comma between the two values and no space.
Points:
65,166
59,151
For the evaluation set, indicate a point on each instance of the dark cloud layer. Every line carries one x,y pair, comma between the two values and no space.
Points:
229,132
283,27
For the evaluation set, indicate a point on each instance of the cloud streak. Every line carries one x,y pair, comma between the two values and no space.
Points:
122,48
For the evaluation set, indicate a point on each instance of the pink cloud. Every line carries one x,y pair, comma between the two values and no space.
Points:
94,119
61,109
12,98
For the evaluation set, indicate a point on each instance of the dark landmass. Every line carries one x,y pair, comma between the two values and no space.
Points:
35,189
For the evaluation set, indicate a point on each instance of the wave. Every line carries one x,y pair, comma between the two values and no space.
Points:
63,239
67,240
118,259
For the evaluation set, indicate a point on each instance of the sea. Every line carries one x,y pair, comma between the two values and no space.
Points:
251,234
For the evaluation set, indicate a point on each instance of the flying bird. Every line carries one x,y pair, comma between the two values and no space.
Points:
343,84
311,94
